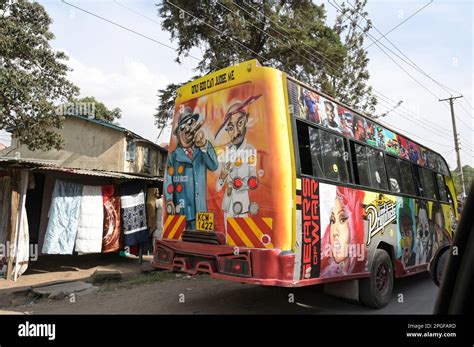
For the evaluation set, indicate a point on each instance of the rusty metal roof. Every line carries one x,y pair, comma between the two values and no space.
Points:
100,173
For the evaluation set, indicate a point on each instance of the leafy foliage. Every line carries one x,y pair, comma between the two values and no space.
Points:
351,87
289,35
32,76
101,111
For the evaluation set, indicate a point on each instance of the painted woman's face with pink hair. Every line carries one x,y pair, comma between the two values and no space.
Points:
339,232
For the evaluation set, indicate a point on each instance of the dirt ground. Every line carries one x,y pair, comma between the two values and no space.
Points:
171,293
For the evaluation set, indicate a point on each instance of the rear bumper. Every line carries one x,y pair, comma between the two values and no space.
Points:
270,267
266,266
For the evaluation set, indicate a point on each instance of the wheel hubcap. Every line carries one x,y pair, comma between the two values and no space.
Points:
382,278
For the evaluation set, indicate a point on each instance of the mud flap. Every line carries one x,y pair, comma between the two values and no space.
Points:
347,290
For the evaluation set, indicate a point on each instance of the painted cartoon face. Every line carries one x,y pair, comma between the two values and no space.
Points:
423,229
439,227
329,111
359,129
339,232
186,133
406,242
237,128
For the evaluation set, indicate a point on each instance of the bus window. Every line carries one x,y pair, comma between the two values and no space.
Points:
304,149
443,196
334,156
362,165
393,172
427,183
378,175
408,185
315,146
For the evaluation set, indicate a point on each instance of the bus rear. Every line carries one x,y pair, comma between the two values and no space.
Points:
229,183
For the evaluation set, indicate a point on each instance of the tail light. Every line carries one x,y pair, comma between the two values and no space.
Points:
236,267
163,256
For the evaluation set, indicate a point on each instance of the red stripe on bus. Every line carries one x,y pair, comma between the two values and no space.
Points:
173,221
257,243
180,229
264,228
235,237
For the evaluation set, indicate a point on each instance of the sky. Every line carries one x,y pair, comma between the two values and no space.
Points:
126,70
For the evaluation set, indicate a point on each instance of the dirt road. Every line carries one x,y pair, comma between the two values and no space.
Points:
168,294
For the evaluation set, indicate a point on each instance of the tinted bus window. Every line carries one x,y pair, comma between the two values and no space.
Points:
443,196
408,185
378,175
362,165
393,172
334,156
303,146
315,146
427,183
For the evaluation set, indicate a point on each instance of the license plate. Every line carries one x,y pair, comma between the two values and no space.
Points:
205,221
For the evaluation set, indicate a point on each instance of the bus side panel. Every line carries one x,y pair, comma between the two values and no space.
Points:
340,229
237,185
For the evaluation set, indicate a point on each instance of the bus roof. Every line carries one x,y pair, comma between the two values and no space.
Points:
234,74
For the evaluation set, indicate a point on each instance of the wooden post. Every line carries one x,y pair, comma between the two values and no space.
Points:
15,184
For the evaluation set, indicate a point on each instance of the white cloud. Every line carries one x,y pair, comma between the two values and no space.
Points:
132,88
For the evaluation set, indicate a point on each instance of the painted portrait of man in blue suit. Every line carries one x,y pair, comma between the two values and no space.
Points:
186,171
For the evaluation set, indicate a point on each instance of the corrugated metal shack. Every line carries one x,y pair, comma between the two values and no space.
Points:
28,188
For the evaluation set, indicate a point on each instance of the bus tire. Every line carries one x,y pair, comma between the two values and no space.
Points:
376,291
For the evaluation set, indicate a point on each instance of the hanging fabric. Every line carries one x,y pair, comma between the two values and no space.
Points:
22,253
132,200
91,221
151,195
5,208
63,218
111,228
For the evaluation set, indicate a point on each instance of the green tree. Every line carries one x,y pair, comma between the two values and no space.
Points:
32,75
288,35
468,172
101,112
352,85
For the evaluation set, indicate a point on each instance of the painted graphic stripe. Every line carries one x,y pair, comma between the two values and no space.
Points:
181,228
253,234
298,200
269,222
230,241
258,231
298,184
175,227
233,235
240,232
171,224
169,218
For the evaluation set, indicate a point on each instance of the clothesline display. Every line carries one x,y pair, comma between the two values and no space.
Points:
95,219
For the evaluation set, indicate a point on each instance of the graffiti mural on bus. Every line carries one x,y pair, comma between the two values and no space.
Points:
423,239
237,171
343,249
187,166
439,226
406,232
311,240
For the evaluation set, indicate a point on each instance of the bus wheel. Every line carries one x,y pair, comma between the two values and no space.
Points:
376,291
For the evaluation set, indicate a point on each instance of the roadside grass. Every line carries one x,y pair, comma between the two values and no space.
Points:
140,279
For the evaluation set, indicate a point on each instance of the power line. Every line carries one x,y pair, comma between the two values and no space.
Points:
398,25
125,28
419,123
220,32
411,63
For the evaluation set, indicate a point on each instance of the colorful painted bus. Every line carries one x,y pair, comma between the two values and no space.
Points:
269,181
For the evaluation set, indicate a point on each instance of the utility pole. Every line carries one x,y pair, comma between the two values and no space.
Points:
456,143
